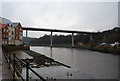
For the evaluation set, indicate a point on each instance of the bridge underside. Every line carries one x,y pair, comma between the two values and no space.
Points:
54,30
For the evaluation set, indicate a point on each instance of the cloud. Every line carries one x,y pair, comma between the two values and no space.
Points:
92,16
59,0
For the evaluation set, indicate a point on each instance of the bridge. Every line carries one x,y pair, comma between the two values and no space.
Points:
56,30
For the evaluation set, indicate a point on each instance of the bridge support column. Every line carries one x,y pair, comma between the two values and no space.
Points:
51,40
72,39
91,38
26,35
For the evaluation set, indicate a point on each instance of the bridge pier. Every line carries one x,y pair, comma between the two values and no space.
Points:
72,39
26,35
51,40
91,38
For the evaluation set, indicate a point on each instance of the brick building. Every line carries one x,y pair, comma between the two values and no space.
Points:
18,33
4,29
11,32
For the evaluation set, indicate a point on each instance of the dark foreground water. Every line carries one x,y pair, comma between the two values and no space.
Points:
84,64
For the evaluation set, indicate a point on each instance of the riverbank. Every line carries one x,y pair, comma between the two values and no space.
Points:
88,47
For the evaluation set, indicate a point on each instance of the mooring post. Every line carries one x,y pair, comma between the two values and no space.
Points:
51,41
27,69
14,67
72,39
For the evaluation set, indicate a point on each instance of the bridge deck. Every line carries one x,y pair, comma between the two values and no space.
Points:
56,30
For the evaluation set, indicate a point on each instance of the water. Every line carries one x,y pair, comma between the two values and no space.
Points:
85,64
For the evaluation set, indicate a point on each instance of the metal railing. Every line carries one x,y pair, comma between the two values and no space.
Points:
15,71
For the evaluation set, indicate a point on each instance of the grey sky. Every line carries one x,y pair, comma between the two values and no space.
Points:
87,16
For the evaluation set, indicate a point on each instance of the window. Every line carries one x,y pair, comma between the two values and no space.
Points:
20,37
12,32
21,33
3,30
4,36
20,29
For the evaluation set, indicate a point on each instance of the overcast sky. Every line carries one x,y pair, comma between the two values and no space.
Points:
87,16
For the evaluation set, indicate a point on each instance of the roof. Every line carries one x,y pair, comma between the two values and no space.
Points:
15,24
3,25
5,21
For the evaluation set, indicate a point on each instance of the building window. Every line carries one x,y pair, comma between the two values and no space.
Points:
3,30
21,33
3,36
20,29
12,32
20,37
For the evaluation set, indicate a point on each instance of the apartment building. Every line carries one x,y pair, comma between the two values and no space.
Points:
11,32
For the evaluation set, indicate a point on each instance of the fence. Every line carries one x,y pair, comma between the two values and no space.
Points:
12,60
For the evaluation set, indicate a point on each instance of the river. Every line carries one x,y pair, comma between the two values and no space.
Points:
85,64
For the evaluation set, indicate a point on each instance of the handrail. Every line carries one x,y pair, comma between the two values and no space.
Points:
20,60
29,68
19,74
15,69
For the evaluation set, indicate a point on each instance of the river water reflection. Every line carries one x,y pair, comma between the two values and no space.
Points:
85,64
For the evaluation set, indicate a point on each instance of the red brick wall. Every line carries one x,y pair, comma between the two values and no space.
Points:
18,30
